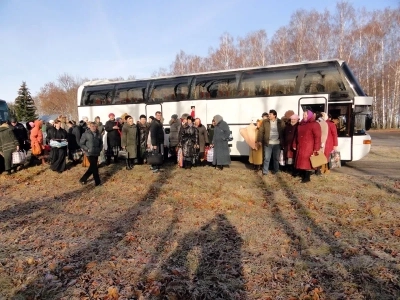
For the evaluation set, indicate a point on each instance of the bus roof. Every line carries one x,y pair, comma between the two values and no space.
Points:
106,81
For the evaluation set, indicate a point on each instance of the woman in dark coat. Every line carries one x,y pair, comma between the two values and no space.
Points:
220,143
129,141
113,129
203,137
73,138
8,144
307,142
189,141
287,142
58,154
174,126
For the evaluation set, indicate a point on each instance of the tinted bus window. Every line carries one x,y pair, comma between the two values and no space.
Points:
99,95
133,92
325,78
216,86
171,89
3,111
268,82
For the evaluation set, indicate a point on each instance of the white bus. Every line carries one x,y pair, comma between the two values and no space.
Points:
241,96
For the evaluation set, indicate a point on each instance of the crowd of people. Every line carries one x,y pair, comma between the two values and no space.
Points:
273,142
53,142
291,142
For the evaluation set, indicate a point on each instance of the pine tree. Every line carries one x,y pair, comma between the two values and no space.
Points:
25,109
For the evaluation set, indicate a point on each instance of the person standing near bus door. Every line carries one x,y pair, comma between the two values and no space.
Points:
324,136
92,143
157,138
113,129
270,136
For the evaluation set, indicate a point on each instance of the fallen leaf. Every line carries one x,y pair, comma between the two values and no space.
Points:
337,234
113,292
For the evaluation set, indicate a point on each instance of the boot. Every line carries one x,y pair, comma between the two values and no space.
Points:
307,175
108,160
116,159
318,171
295,172
128,164
131,163
8,172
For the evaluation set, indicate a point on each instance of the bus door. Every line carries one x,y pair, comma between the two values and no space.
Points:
314,104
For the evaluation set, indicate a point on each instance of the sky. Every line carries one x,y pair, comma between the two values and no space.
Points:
42,39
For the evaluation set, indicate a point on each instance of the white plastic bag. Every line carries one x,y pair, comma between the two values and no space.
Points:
18,157
281,158
210,155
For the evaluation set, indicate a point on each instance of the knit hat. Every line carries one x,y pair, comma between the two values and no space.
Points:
184,116
111,114
294,117
174,116
31,124
289,114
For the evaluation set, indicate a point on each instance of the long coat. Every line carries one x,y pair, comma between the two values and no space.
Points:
220,141
113,135
129,139
332,139
306,142
174,133
287,142
74,138
37,134
203,137
189,137
8,144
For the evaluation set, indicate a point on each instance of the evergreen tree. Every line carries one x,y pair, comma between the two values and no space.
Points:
11,111
25,109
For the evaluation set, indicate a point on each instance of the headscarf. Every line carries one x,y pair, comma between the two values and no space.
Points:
217,119
310,117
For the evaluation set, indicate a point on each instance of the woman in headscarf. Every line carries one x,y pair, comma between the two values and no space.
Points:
189,141
306,143
203,138
220,143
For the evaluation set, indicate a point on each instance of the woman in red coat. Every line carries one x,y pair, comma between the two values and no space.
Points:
332,140
306,143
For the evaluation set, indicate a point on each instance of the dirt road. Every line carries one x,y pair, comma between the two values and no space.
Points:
378,165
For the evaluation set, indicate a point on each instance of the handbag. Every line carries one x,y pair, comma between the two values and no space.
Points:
77,154
318,160
123,154
281,158
155,158
334,160
85,162
210,155
18,157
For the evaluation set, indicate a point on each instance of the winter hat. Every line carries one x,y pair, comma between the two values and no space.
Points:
13,120
289,114
217,119
111,114
117,119
294,117
174,116
184,116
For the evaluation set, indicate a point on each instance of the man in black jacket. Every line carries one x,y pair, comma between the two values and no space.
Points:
157,138
92,143
21,134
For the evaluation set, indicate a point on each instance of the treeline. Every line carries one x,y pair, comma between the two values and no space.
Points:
368,40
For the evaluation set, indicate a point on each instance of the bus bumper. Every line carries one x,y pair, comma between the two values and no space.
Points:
361,146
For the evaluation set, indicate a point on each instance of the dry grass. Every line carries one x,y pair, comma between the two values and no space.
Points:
200,234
